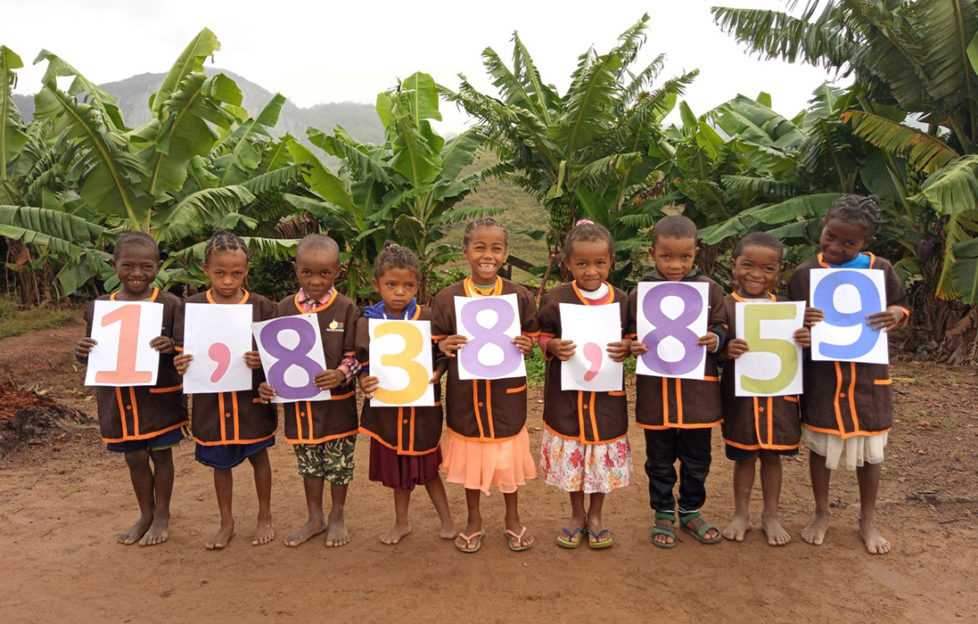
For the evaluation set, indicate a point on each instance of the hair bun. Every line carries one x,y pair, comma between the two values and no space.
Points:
389,243
584,222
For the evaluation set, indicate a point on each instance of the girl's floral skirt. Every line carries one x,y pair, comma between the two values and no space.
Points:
589,468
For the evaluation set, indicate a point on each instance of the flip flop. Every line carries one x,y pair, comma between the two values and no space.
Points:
666,527
469,548
571,539
699,529
598,543
512,536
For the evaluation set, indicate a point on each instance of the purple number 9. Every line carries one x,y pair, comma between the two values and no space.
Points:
286,358
676,328
482,336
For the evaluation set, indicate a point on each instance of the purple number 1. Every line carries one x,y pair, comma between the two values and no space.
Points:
482,336
285,358
677,328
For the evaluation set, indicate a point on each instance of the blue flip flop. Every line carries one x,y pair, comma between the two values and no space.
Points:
571,539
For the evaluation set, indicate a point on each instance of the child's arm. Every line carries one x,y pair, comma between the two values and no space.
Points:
620,350
735,348
252,360
813,315
524,343
182,362
265,392
803,337
163,344
886,320
450,344
369,385
82,348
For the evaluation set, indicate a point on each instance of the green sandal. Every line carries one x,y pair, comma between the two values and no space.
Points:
665,524
699,529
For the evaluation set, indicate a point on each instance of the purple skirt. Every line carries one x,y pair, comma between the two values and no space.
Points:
402,472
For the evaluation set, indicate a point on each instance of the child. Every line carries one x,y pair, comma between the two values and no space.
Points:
487,443
851,423
404,445
678,414
230,427
584,448
144,422
765,427
323,433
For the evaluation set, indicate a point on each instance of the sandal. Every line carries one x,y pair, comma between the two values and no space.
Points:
665,524
700,528
598,543
517,539
469,546
571,539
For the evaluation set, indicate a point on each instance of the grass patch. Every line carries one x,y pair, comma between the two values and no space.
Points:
15,321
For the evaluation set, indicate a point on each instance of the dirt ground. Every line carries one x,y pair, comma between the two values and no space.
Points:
63,500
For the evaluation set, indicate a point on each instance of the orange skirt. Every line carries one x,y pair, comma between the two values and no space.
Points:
478,465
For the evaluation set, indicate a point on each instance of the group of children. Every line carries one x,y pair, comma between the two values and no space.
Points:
843,415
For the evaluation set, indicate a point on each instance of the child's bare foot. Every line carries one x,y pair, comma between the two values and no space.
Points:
395,533
815,532
336,534
134,533
264,532
221,538
875,543
738,527
776,535
448,529
308,530
158,532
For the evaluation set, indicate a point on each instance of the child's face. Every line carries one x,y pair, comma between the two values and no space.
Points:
136,266
589,262
841,241
674,257
397,286
226,271
756,270
316,270
486,252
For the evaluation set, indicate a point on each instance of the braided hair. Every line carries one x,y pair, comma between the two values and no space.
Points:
484,222
863,210
394,256
587,230
224,240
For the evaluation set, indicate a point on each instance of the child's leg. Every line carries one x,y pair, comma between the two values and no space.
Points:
693,450
264,532
660,453
159,530
578,516
743,483
142,484
517,534
336,534
316,522
223,487
771,490
594,524
436,492
339,467
473,525
402,500
869,486
820,475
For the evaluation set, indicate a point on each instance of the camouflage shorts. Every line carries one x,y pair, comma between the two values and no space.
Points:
332,460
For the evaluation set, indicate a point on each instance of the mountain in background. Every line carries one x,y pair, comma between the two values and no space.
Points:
133,93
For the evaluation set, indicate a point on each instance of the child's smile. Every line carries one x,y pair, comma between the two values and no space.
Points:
589,263
756,270
486,252
841,241
136,267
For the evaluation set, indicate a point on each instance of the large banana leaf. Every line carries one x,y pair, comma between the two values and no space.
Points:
81,87
200,211
923,151
12,135
63,234
191,60
321,180
246,155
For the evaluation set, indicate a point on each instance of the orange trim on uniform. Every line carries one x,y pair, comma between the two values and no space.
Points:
883,382
146,436
256,400
329,302
400,437
665,401
679,401
135,410
220,408
581,440
845,435
790,397
742,300
309,417
202,443
323,439
411,442
770,421
162,390
151,298
492,427
464,437
709,378
237,422
616,393
471,291
594,422
684,426
835,398
852,397
122,413
516,390
585,301
340,397
373,435
580,414
475,406
762,447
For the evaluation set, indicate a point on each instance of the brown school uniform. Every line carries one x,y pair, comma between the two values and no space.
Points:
407,430
128,413
847,398
668,402
481,409
754,423
231,417
315,422
587,417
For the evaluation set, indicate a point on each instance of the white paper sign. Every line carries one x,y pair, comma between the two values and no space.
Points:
591,328
291,349
772,364
218,337
847,297
122,355
400,359
672,316
490,324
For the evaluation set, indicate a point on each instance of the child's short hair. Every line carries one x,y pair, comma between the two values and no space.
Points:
484,222
759,239
860,209
319,242
587,230
394,256
135,239
674,226
225,240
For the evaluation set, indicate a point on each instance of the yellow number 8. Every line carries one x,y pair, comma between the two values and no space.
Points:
418,379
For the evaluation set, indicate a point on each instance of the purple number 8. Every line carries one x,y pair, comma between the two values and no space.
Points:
677,328
286,358
481,336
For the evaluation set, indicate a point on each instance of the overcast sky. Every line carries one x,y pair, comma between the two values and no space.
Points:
334,51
